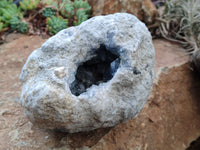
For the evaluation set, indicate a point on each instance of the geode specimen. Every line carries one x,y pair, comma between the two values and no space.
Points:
94,75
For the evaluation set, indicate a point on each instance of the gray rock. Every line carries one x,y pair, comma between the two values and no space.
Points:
94,75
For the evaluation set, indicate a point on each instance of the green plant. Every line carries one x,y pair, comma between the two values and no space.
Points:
47,2
180,22
79,10
55,24
49,11
67,8
82,5
23,27
4,3
57,12
8,12
83,10
14,22
18,25
11,16
1,26
29,4
81,16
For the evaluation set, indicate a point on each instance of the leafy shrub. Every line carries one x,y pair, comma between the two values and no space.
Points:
49,11
57,13
180,22
67,9
23,27
8,14
4,3
81,16
18,25
55,24
83,5
29,4
79,10
15,21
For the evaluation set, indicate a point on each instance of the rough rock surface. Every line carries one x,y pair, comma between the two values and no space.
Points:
143,9
88,55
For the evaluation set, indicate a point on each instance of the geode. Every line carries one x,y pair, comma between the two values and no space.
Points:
94,75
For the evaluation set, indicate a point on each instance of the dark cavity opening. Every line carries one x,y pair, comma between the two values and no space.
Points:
100,68
194,145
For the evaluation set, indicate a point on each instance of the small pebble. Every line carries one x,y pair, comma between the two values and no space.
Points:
143,125
60,72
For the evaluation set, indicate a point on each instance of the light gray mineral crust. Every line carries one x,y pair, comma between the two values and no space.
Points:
94,75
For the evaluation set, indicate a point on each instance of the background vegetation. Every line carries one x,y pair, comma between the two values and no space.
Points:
180,22
43,15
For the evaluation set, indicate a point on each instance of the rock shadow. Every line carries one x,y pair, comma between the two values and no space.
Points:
77,140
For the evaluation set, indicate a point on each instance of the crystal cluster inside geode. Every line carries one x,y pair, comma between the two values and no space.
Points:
101,68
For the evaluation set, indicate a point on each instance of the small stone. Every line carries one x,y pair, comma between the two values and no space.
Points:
143,125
